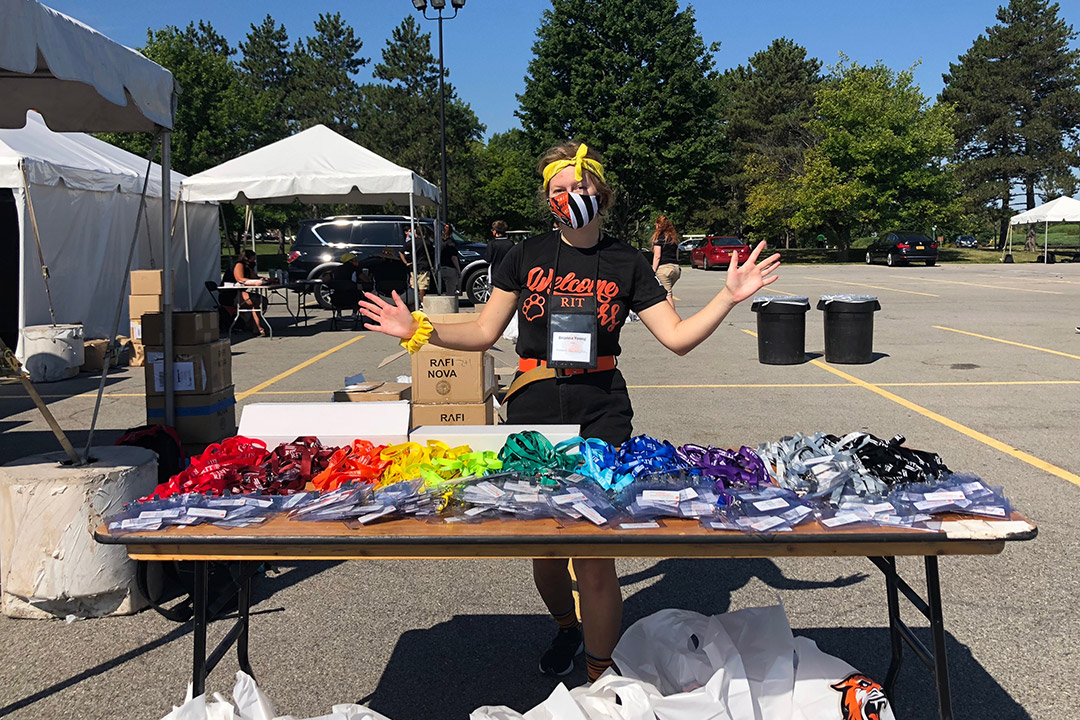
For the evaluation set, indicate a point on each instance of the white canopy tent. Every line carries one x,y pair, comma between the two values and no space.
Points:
80,80
85,195
1060,210
316,166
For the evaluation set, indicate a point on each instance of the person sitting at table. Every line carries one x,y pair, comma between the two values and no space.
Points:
243,272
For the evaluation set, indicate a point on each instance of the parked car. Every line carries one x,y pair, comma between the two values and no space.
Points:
716,250
896,248
687,246
966,241
375,239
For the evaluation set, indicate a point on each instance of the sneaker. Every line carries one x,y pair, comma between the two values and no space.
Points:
559,659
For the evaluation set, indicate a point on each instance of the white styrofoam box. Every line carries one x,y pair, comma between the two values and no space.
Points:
488,437
333,423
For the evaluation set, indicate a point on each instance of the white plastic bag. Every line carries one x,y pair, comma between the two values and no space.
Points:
560,705
251,702
827,688
692,662
763,639
196,708
510,334
613,697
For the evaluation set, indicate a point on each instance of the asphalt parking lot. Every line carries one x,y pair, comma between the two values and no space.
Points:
976,362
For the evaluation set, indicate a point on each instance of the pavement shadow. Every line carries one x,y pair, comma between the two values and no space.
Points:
14,400
475,660
36,442
975,692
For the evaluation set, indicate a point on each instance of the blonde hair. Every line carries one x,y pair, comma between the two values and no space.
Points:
566,151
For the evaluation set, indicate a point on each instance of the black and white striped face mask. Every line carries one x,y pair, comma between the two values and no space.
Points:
574,210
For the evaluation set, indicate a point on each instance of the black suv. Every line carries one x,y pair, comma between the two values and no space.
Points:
375,239
897,248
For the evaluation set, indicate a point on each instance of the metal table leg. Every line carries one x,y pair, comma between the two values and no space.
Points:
198,603
936,661
243,610
937,632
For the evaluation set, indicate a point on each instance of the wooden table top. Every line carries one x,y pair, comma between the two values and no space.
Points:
280,538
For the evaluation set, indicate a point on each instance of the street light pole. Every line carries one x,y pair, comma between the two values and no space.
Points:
439,6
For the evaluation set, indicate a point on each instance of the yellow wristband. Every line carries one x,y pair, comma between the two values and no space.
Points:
422,334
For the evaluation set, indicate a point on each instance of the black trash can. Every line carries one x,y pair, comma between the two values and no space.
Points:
849,328
781,324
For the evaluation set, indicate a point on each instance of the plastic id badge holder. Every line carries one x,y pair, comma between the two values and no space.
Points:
572,326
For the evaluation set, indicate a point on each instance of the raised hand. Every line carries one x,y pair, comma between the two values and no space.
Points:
395,320
743,282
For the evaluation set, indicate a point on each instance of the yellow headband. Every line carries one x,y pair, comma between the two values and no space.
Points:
579,162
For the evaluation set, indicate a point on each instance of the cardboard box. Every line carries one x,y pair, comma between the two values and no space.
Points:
199,418
139,305
374,392
149,282
95,354
197,369
189,328
487,437
333,423
452,376
138,354
454,414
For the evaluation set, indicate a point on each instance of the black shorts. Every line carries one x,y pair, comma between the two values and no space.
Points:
598,402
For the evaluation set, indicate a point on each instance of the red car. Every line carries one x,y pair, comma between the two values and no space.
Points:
716,252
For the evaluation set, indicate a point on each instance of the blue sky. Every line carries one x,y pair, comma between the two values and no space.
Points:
489,44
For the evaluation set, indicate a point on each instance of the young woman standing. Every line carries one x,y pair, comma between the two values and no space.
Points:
572,290
665,263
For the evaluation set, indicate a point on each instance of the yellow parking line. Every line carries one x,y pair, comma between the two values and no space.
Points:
958,383
875,287
992,287
951,424
1009,342
307,363
1052,280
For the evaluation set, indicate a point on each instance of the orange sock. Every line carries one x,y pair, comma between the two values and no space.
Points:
596,666
567,619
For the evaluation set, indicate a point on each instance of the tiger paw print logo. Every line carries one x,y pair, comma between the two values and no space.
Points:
533,307
862,699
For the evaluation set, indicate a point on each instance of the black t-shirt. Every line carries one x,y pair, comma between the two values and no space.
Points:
625,282
669,251
449,252
423,264
497,248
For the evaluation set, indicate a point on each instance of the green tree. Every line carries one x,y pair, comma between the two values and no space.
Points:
1017,96
767,105
401,120
324,89
635,79
214,122
264,67
879,157
509,182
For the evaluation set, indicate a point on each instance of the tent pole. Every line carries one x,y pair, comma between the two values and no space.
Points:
1046,241
415,279
187,252
437,271
249,226
166,281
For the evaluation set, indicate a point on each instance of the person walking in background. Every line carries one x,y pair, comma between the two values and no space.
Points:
497,247
449,264
665,256
422,265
